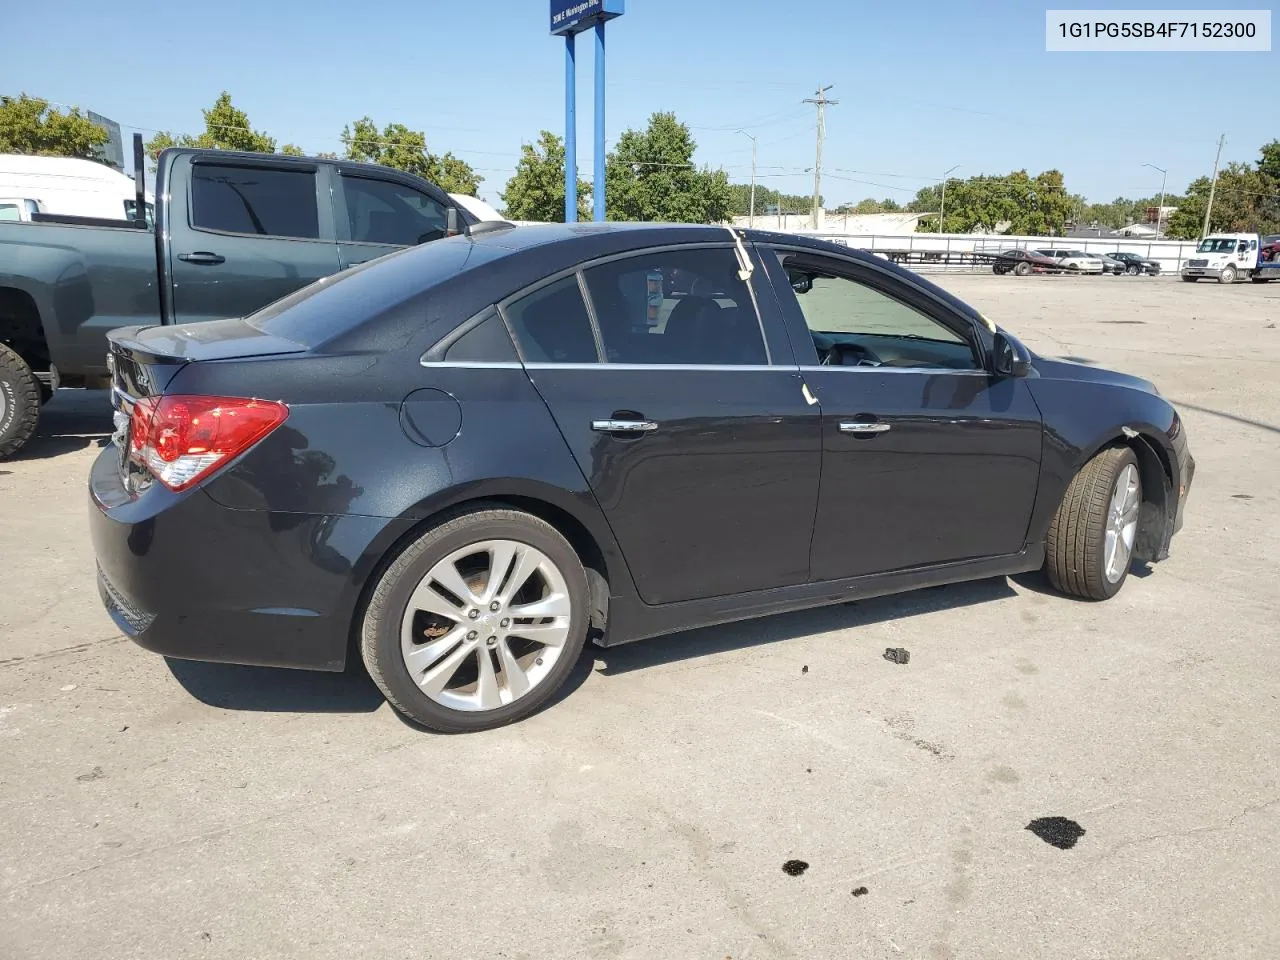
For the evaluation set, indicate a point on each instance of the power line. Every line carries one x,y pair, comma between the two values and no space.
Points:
821,101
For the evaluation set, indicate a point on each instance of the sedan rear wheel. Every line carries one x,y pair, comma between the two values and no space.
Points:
1090,542
478,622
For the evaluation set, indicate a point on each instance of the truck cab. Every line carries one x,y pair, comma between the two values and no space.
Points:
1225,257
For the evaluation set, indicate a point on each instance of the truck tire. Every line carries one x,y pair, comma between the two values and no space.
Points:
1228,274
19,402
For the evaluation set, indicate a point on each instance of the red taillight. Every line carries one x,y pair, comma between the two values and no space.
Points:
182,440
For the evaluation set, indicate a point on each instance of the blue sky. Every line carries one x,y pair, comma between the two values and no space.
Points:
922,87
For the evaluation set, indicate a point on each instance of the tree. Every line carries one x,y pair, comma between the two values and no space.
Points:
869,206
767,201
536,192
29,126
1035,206
399,147
651,176
290,150
226,127
1244,201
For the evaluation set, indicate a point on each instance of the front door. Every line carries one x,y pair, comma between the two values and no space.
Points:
694,435
377,216
257,232
927,458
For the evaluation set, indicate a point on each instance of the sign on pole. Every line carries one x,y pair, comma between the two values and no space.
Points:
575,16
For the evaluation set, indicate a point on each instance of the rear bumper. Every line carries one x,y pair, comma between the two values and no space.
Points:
187,578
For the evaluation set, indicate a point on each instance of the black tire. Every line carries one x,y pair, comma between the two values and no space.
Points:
20,409
380,629
1075,549
1228,274
1133,270
1022,269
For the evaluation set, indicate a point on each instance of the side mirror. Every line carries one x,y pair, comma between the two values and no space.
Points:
800,282
1012,359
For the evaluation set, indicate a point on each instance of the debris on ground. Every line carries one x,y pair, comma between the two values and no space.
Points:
805,668
897,655
860,891
1057,831
793,868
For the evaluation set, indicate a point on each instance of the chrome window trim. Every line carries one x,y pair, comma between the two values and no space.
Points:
937,371
537,365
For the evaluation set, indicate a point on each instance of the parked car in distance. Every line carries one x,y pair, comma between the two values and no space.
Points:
236,231
473,455
1109,263
1076,261
1135,264
1023,262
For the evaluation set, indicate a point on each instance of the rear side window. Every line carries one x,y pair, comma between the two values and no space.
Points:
551,325
488,342
379,211
255,200
676,307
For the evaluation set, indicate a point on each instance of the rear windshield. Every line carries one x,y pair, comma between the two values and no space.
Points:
338,304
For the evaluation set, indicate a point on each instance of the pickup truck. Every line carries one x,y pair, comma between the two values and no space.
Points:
233,232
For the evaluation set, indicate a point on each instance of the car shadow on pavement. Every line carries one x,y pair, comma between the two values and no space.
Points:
276,690
73,420
786,626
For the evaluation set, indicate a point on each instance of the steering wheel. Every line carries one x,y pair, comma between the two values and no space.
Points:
834,356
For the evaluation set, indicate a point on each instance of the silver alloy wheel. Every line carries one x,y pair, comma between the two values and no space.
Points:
1228,274
486,625
1122,523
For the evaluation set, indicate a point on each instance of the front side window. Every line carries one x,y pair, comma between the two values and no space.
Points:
856,324
379,211
9,211
686,307
551,325
256,200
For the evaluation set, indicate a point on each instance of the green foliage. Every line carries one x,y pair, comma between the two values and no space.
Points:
869,206
1036,206
226,127
536,191
291,150
651,176
1246,200
740,201
399,147
29,126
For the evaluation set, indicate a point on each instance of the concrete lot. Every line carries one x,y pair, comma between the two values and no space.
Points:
169,810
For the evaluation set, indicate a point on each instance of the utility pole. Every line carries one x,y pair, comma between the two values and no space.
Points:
942,210
1212,186
821,101
751,215
1160,209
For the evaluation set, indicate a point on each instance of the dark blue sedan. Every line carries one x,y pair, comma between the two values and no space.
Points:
462,461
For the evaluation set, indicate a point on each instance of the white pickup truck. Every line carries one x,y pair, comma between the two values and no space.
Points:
1228,257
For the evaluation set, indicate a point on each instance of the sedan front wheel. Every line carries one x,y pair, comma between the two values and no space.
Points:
1090,542
477,622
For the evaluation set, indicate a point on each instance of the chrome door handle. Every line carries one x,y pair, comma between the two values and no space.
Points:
623,426
865,428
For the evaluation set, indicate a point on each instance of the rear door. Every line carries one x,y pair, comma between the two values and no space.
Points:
686,413
377,215
252,231
927,458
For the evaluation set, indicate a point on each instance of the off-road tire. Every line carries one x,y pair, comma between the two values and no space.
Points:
21,407
1075,549
380,628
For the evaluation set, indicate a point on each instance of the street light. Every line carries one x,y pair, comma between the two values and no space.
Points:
751,215
942,211
1160,209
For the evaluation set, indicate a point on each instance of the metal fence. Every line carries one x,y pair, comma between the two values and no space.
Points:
1170,254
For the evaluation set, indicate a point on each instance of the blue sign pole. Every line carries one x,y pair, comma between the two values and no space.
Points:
570,131
597,192
569,18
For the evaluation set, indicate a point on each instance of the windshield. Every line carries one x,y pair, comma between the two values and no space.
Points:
1217,245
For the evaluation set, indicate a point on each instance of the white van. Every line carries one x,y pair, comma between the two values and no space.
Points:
1226,257
70,186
